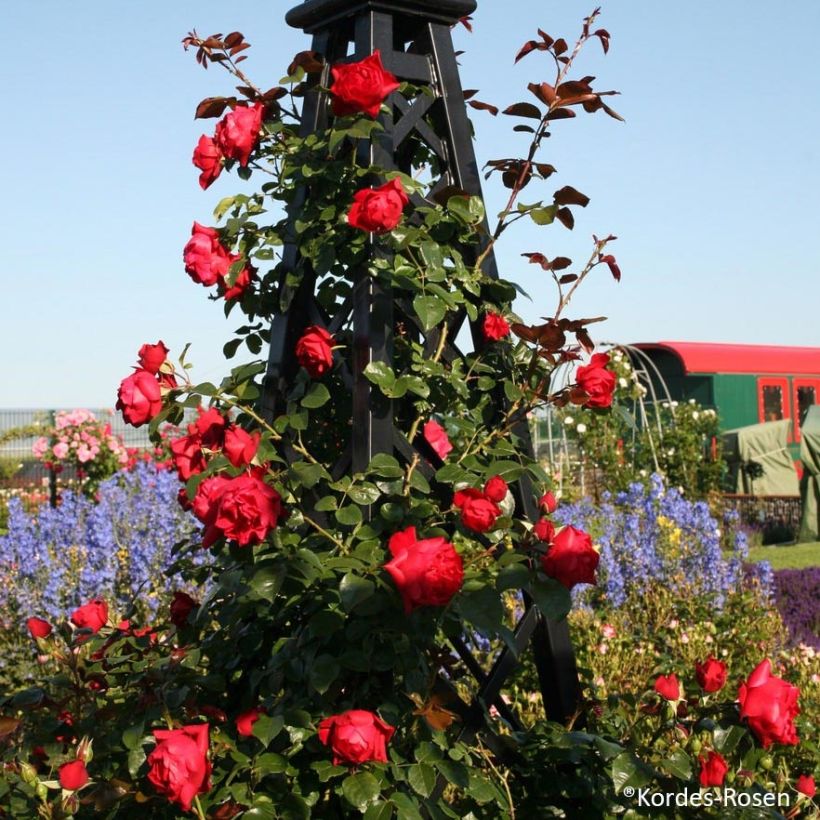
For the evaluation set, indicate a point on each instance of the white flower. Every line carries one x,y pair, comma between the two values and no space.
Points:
692,401
568,420
665,405
670,451
623,382
643,473
627,366
581,428
642,390
674,404
695,415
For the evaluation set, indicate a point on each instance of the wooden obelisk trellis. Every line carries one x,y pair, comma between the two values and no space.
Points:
414,38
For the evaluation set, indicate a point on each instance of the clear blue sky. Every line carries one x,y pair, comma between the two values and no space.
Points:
712,185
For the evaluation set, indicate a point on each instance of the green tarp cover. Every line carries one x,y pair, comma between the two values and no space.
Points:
767,445
810,484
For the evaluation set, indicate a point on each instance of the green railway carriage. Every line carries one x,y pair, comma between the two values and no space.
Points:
746,384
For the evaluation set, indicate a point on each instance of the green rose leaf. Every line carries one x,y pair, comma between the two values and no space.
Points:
361,789
316,396
430,310
422,779
353,590
551,597
679,765
630,771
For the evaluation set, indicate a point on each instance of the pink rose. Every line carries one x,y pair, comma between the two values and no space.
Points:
209,159
436,436
427,572
378,210
139,398
356,737
237,132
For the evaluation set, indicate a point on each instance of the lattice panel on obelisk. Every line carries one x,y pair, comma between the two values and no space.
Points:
414,38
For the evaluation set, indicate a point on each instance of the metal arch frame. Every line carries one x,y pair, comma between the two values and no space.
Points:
414,39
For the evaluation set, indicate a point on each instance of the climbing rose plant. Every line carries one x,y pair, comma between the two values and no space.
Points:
312,676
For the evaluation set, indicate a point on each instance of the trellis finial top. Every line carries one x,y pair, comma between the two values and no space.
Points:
313,14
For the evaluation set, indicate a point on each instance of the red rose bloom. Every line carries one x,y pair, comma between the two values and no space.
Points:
711,674
378,210
544,530
240,446
361,88
668,686
93,616
237,132
548,503
245,721
571,559
356,736
206,259
314,351
436,436
242,509
181,607
712,769
427,572
496,489
139,398
596,381
805,785
495,327
208,158
152,357
210,428
187,455
38,628
478,513
179,766
769,705
73,775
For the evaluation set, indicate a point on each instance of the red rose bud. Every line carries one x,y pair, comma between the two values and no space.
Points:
206,259
712,770
361,88
478,513
436,436
237,132
805,785
93,615
427,572
769,705
355,737
245,721
314,351
139,398
571,558
240,446
210,428
711,674
544,530
242,509
73,775
596,381
209,159
496,489
152,357
240,284
38,628
668,686
179,766
548,503
378,210
181,607
495,327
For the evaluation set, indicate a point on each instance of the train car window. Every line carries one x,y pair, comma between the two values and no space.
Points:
806,397
772,402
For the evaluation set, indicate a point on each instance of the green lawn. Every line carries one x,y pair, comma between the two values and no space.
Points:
794,557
